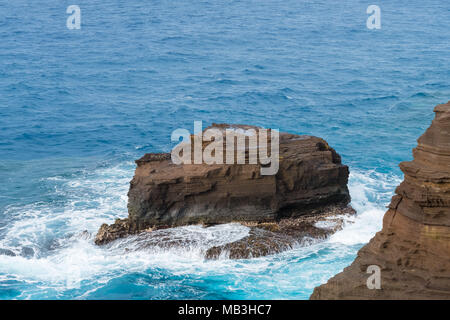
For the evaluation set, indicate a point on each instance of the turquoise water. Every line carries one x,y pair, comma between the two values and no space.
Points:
78,106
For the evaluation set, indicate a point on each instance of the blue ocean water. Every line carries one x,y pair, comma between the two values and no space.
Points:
78,106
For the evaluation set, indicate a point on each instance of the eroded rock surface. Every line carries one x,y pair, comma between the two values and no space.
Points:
162,194
274,237
413,248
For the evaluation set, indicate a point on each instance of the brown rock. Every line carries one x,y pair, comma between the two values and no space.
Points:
163,194
119,229
413,248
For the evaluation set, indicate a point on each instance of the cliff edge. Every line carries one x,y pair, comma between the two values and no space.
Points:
412,250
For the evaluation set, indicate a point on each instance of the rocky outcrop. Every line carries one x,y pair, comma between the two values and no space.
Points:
413,248
162,194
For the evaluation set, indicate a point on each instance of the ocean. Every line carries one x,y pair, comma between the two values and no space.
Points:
77,107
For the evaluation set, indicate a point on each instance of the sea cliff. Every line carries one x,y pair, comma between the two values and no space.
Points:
413,248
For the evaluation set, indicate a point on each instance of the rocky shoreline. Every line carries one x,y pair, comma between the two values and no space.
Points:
412,250
281,210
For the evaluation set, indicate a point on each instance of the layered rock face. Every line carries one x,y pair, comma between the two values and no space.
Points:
413,248
162,194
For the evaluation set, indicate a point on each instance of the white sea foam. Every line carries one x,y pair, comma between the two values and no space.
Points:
324,224
90,199
370,192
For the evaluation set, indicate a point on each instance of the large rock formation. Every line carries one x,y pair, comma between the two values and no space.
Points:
413,248
311,178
